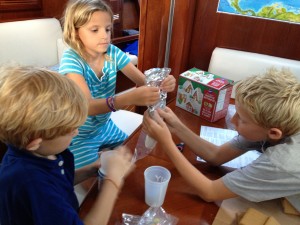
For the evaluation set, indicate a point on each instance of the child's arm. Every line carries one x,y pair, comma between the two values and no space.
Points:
141,96
119,166
216,155
96,106
138,77
207,189
134,74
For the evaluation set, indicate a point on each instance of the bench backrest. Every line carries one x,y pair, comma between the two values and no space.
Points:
237,65
30,42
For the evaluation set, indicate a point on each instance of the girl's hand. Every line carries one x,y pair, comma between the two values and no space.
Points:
144,96
168,83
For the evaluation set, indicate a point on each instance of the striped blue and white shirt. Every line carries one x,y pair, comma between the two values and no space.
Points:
97,131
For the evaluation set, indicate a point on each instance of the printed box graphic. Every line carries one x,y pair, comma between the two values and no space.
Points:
204,94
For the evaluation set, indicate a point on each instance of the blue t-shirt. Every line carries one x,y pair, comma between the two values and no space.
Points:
97,131
35,190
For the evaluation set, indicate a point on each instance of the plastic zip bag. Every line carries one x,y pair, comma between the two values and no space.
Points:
154,78
153,216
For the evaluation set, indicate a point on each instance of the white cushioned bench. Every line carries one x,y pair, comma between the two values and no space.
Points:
237,65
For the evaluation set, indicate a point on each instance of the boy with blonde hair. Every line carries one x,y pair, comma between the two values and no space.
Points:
267,119
39,115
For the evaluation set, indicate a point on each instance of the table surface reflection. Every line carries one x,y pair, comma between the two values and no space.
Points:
180,200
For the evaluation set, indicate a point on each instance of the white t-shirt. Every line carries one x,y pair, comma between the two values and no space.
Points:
275,174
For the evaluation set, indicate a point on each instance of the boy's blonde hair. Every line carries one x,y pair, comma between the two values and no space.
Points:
76,15
37,103
272,99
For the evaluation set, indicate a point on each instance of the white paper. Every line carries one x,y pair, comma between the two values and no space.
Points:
219,136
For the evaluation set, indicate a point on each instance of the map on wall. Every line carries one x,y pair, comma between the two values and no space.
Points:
282,10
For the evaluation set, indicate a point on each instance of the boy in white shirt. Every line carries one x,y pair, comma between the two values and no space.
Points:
267,119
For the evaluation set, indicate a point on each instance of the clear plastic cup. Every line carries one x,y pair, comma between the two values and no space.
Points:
156,182
103,160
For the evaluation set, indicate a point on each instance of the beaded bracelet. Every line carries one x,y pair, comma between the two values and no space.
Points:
113,183
110,103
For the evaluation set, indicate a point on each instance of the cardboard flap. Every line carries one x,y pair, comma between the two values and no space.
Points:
230,208
218,83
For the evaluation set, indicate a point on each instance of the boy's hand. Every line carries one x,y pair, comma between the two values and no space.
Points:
168,83
97,163
156,128
170,119
119,165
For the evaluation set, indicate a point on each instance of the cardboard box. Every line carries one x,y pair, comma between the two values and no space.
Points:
204,94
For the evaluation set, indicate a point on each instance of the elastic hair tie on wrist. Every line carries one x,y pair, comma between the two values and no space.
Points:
111,102
112,182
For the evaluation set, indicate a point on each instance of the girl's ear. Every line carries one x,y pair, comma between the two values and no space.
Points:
34,144
275,134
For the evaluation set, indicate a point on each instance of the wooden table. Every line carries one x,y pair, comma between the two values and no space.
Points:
180,200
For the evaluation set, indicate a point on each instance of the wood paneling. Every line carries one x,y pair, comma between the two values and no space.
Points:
131,14
198,29
153,34
20,5
24,10
263,36
54,8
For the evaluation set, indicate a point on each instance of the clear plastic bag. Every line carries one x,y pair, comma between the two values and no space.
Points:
144,146
153,216
128,219
154,78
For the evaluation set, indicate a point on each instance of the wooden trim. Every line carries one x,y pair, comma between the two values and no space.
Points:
183,25
123,39
153,35
154,16
20,5
142,27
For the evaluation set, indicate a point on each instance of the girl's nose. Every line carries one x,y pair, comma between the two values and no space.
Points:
104,34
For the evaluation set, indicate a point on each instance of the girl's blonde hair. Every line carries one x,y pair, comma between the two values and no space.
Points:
37,103
76,15
272,99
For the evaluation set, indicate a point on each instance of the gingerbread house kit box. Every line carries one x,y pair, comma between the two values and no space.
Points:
204,94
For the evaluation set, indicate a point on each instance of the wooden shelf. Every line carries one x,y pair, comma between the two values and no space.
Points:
126,16
119,40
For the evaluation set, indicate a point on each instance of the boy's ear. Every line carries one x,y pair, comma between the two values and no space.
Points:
34,144
275,133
